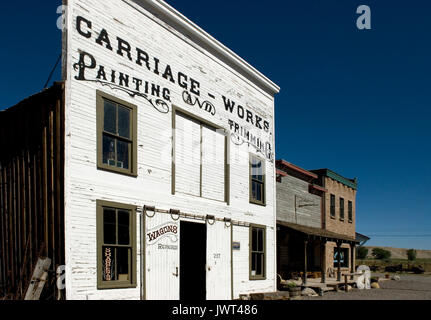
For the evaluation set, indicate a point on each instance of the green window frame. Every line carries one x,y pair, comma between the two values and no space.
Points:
116,245
341,209
332,206
116,135
257,180
257,248
350,211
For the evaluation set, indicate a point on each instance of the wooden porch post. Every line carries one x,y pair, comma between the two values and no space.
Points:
305,261
352,260
323,259
339,261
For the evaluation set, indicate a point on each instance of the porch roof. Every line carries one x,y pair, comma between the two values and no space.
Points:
330,236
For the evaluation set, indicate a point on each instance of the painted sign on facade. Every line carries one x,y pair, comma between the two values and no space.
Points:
87,68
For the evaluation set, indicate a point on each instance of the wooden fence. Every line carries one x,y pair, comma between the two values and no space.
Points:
31,190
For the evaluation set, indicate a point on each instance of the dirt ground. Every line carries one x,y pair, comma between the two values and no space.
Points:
411,287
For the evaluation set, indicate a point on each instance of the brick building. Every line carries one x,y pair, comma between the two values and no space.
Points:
339,216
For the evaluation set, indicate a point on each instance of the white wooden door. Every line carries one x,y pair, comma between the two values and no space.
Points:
219,262
162,257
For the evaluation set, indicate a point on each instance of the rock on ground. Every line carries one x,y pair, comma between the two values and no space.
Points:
309,292
375,285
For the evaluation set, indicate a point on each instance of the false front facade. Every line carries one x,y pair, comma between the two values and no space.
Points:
153,162
169,159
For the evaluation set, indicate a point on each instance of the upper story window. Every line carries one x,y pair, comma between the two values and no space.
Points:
116,245
257,180
332,206
341,209
350,213
199,161
116,135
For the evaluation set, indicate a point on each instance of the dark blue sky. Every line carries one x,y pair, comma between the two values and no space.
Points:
354,101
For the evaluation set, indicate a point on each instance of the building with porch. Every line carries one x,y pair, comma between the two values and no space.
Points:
305,247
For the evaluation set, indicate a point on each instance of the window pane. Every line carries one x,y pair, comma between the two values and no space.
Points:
123,261
109,226
124,227
124,122
122,154
253,264
259,264
108,150
254,239
256,169
260,240
108,259
257,191
110,118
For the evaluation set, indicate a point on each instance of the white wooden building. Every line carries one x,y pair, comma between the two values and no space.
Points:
169,158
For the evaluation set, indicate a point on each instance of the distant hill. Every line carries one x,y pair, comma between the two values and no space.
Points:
397,253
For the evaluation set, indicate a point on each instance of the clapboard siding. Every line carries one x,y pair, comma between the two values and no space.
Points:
293,192
153,185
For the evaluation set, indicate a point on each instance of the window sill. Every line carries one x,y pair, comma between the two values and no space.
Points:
262,204
118,171
252,278
116,286
333,218
350,221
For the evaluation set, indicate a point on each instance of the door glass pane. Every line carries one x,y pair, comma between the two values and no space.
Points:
109,226
108,150
110,117
123,261
124,122
122,154
108,264
124,227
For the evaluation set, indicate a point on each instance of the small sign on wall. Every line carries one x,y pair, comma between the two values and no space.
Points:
236,246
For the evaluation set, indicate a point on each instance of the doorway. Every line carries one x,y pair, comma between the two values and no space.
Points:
193,247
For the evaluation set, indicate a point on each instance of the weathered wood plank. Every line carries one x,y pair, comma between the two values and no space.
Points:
38,279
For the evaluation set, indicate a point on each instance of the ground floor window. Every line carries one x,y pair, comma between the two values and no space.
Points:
343,256
116,245
257,253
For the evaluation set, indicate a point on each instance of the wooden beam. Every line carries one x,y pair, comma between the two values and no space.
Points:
38,280
305,261
323,259
339,261
352,261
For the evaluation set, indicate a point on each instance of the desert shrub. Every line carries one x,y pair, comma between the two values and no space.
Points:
362,253
411,254
381,254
